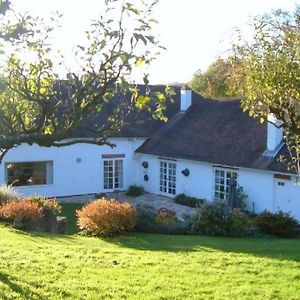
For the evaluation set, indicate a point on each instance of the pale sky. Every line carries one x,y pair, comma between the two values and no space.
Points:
194,32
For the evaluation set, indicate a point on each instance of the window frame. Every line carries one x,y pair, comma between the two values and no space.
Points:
117,167
168,178
48,176
221,183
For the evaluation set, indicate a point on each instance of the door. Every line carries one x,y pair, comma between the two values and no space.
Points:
112,174
167,183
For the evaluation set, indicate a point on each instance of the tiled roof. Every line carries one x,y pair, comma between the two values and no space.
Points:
214,131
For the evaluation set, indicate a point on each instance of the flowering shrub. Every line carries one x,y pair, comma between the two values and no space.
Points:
106,217
165,216
22,213
278,224
7,193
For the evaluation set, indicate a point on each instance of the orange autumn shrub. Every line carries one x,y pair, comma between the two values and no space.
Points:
106,217
24,211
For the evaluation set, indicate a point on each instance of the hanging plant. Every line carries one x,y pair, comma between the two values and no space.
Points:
145,164
186,172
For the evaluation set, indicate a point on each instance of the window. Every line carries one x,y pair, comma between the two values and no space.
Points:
113,174
29,173
222,178
167,177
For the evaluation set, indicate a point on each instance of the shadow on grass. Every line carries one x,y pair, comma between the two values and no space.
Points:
25,292
288,249
45,236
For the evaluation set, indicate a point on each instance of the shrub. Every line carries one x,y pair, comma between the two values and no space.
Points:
149,221
239,223
22,213
183,199
135,191
217,219
279,223
165,216
7,193
106,217
49,206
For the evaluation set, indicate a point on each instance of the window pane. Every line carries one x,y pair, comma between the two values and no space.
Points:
29,173
222,179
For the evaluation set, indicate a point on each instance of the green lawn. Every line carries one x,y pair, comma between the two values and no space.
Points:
147,266
68,210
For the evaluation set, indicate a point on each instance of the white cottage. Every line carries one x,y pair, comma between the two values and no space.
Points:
204,143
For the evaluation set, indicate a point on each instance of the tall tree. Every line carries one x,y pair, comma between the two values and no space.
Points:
218,80
271,72
36,106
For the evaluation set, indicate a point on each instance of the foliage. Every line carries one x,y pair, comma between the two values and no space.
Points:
31,213
215,218
271,72
7,193
22,213
49,206
36,106
278,223
219,80
135,191
106,217
242,196
183,199
150,221
165,216
239,224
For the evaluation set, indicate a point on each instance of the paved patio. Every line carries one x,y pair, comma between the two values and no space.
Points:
146,200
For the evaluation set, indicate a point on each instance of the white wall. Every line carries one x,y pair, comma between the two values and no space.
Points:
258,185
69,176
198,183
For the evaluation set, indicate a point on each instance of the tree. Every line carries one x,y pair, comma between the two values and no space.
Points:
33,108
271,72
217,81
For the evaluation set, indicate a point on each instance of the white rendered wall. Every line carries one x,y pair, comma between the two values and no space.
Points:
69,176
198,183
258,185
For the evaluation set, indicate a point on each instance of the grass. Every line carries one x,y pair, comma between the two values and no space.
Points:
147,266
68,210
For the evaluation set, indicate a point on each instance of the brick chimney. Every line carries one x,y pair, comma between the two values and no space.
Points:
185,98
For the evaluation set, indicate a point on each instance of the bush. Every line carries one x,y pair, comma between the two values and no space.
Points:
106,217
7,193
150,222
165,216
279,224
183,199
49,206
22,213
135,191
239,223
217,219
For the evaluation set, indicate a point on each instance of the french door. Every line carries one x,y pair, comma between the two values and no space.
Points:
112,174
167,182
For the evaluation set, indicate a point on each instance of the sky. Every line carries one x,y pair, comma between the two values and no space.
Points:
195,32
